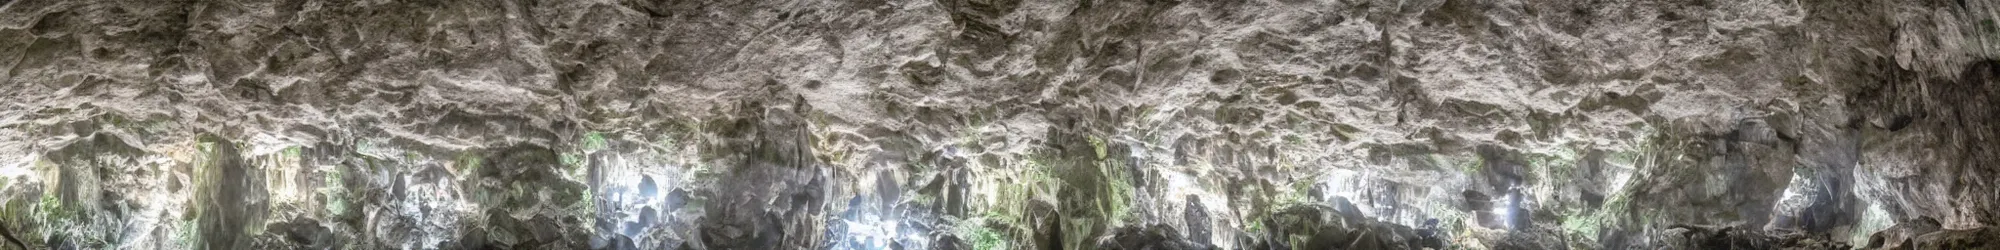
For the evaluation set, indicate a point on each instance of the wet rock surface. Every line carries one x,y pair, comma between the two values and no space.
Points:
1323,227
1729,237
1903,235
999,124
1977,238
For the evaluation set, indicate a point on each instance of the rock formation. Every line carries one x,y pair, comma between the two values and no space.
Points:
999,124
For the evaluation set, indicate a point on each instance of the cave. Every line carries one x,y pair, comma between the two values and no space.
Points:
999,124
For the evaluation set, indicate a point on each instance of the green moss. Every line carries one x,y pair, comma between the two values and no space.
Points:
573,166
586,208
983,238
1118,191
184,236
1094,188
1098,145
57,220
571,159
336,205
593,141
361,146
469,161
19,214
335,191
970,137
1296,195
1013,195
51,207
1611,215
1582,224
1464,164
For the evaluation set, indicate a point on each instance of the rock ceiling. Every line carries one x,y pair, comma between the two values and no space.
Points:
999,124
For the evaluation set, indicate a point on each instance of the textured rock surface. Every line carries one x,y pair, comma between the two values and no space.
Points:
999,124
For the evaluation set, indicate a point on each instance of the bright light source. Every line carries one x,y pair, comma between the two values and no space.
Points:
15,171
1180,184
1794,199
21,168
1505,212
874,232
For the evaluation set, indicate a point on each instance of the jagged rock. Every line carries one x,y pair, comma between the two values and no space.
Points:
1046,223
948,242
655,124
1197,221
300,233
233,198
1731,237
1976,238
1150,237
1430,236
1326,227
1903,235
1530,238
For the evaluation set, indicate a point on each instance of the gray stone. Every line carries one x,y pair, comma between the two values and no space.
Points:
656,124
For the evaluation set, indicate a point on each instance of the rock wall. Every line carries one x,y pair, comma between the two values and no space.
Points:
998,124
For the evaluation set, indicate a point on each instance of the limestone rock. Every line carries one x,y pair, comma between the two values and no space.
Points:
998,124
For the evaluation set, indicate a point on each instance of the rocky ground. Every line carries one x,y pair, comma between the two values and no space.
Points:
999,124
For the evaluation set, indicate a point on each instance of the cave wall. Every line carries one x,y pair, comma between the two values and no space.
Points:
1010,124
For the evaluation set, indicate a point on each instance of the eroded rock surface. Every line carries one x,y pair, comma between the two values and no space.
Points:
999,124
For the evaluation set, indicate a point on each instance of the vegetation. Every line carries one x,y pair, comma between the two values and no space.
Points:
184,234
593,141
335,191
984,238
1095,189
